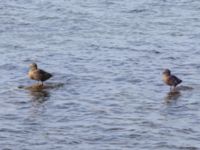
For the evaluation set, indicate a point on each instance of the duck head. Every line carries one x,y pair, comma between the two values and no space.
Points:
167,72
33,66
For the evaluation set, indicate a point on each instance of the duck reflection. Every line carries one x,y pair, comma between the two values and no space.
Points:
40,96
39,93
172,96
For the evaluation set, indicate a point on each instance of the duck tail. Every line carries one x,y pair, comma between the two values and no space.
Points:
180,81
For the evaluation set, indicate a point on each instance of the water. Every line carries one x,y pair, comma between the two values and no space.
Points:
107,58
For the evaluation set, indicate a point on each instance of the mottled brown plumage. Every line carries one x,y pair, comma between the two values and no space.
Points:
170,80
38,74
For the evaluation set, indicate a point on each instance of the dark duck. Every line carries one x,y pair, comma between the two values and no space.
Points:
170,79
38,74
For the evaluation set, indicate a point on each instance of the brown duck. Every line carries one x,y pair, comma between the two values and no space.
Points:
38,74
170,80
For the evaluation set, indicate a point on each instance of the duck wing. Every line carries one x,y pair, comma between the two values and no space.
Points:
175,80
43,74
39,75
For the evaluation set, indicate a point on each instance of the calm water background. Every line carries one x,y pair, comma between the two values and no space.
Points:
108,56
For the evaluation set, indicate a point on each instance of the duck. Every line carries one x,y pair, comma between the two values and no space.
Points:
38,74
170,79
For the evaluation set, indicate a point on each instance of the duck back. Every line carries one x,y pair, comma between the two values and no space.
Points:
39,75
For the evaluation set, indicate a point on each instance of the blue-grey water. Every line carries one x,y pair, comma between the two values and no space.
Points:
107,59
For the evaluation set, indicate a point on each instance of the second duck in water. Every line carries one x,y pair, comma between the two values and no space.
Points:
38,74
170,80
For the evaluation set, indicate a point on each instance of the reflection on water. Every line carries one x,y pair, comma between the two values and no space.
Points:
175,94
40,95
39,87
172,96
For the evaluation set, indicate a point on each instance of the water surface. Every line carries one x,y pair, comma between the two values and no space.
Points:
107,58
